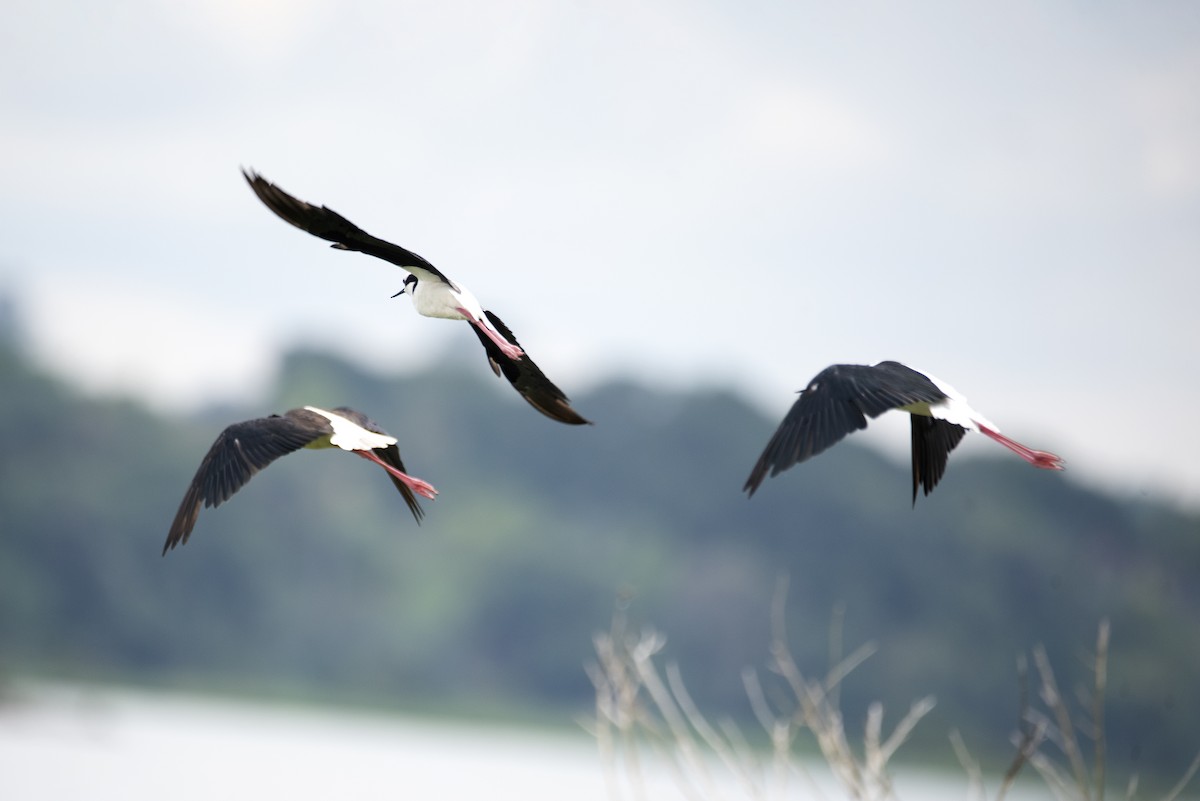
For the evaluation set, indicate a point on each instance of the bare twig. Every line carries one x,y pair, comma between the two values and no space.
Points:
1027,746
1098,760
1183,782
1066,729
720,746
836,625
635,707
904,728
969,765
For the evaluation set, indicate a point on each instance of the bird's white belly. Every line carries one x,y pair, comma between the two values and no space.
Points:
440,300
437,307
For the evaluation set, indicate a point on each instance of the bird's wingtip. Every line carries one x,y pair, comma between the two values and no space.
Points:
559,410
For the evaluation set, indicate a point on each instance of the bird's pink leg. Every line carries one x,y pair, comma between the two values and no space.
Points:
510,350
1042,459
422,488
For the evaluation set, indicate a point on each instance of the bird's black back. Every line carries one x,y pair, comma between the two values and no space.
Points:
240,451
835,403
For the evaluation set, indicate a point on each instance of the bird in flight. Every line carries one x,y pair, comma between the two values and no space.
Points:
838,401
433,295
242,449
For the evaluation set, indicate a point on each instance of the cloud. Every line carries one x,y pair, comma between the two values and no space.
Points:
793,128
110,336
1163,107
252,34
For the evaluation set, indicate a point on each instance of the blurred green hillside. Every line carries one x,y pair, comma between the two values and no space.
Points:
315,578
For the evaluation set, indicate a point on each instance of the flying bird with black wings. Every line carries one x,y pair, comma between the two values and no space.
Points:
242,449
839,399
433,295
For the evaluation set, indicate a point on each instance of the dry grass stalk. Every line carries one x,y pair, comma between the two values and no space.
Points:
635,707
1076,781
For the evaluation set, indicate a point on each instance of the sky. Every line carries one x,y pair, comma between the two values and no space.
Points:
691,194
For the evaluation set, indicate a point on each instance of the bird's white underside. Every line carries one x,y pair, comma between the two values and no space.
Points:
433,298
954,409
350,436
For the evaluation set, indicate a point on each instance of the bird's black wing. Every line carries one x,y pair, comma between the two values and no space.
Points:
241,450
527,378
836,403
932,441
329,225
390,454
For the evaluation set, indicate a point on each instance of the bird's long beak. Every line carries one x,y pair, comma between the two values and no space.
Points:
401,292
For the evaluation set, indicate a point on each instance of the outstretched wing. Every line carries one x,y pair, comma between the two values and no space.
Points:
329,225
527,378
836,403
389,454
932,441
240,451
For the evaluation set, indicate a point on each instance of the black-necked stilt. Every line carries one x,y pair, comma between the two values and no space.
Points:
433,295
242,449
838,401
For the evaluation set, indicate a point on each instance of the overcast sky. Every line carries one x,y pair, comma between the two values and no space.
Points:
691,193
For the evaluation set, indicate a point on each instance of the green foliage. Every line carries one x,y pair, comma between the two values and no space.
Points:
315,577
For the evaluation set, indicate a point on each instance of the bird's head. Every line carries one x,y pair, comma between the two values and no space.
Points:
410,283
